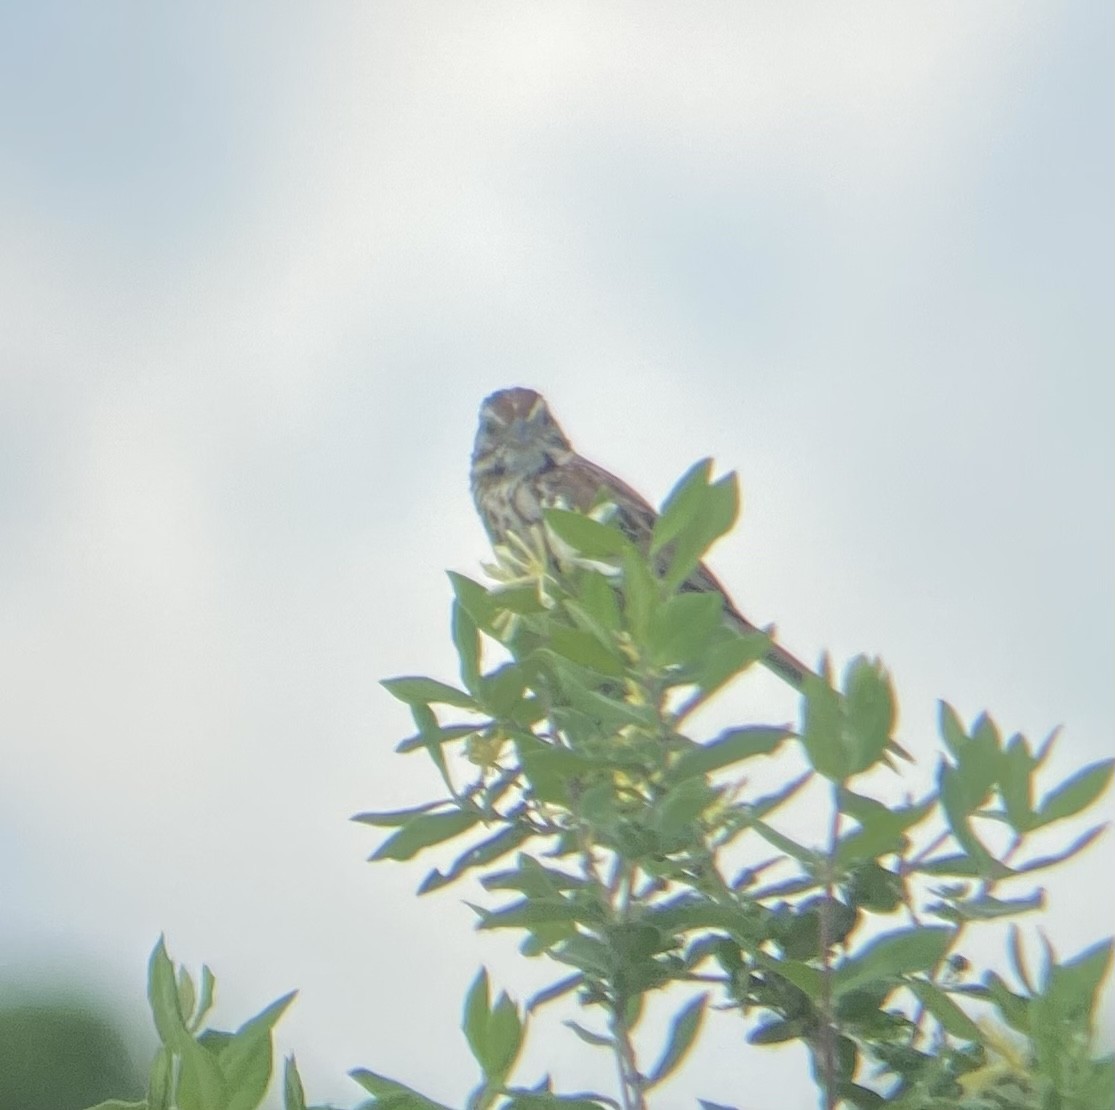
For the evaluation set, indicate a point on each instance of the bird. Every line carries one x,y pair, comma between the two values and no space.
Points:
523,463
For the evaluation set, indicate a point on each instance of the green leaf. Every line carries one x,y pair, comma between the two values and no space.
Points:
466,639
392,818
554,991
977,769
501,691
777,1031
597,805
598,605
162,994
591,538
1016,785
1076,793
214,1040
590,955
201,1085
475,600
425,720
683,1031
585,649
766,804
987,908
205,1001
607,712
693,912
424,831
475,1019
787,887
870,709
682,804
893,954
682,505
681,627
860,806
588,1036
950,727
716,515
1078,845
418,690
504,841
1018,959
1079,979
784,844
798,931
875,888
294,1095
187,998
986,733
879,837
533,911
551,770
823,734
535,1100
732,746
809,980
640,594
504,1040
580,729
246,1060
532,878
724,660
1046,746
952,1018
881,831
395,1095
1097,1082
432,737
248,1075
954,866
160,1080
522,600
1014,1008
956,801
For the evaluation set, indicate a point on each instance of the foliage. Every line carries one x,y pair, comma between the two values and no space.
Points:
60,1051
631,854
198,1068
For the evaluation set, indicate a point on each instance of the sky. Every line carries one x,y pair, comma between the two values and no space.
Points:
260,265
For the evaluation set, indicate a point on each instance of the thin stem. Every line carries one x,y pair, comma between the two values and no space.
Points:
616,898
621,1071
631,1089
828,1033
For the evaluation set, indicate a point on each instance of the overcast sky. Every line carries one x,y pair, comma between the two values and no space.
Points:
260,264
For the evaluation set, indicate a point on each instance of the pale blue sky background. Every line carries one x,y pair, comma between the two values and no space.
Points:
258,267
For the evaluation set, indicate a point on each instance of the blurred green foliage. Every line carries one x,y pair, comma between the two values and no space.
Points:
58,1055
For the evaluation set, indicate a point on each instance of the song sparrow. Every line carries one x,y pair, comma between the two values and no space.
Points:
523,463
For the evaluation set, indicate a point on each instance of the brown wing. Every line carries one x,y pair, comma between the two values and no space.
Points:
585,485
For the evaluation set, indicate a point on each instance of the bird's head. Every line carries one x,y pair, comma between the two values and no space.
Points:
517,434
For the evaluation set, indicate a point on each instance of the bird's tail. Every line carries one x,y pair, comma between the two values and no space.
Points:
778,660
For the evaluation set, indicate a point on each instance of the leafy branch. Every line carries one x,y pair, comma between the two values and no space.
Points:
633,854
